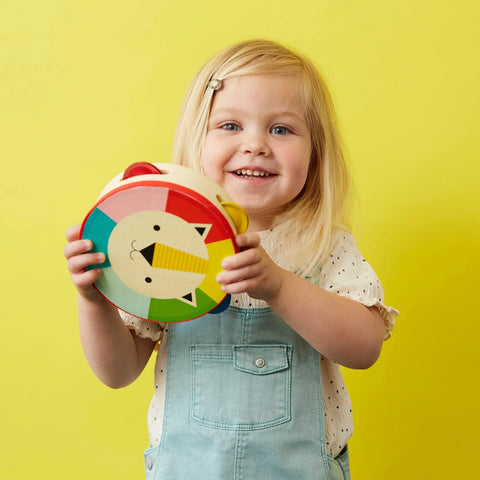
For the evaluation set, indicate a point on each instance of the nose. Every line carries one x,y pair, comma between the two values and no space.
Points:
256,144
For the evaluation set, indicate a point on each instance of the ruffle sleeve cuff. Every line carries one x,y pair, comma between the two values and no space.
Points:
143,328
388,313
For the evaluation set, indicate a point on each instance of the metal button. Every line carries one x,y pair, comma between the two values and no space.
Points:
148,463
260,362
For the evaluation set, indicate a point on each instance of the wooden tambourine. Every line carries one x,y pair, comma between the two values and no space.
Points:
165,230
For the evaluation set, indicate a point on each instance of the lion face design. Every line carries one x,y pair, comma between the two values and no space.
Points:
160,255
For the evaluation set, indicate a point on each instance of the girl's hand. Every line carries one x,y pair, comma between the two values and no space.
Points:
341,329
77,253
251,270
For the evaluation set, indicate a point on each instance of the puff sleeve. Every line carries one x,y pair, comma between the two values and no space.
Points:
348,274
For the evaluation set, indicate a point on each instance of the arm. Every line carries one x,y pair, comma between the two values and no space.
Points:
115,354
343,330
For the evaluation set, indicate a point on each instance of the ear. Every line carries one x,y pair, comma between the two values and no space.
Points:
140,168
237,214
202,228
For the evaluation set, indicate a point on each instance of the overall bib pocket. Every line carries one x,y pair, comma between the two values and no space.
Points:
240,387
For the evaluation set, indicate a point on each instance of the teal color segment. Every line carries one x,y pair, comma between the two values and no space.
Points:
121,295
173,310
98,228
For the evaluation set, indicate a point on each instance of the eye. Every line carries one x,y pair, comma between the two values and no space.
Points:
279,130
156,228
148,280
230,127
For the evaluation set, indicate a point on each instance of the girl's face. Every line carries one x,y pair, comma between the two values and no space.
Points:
258,146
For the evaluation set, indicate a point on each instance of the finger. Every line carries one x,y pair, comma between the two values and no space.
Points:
77,247
79,263
242,259
235,288
247,240
87,278
238,275
73,233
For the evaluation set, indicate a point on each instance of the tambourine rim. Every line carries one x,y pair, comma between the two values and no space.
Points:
213,210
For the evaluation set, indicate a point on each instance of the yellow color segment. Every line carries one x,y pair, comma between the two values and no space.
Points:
172,259
217,251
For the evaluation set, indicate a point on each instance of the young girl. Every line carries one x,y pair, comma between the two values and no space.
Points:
254,392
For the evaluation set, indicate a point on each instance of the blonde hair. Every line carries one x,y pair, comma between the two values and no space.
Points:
310,220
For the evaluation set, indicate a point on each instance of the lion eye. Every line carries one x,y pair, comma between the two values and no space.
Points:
148,280
156,228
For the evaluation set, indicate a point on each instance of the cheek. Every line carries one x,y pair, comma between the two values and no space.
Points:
299,159
302,170
211,168
214,156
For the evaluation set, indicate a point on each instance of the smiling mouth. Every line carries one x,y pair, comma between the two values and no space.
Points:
247,173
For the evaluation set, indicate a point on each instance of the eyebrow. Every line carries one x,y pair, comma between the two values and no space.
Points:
237,111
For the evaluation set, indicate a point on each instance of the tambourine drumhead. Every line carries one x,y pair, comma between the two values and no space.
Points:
164,242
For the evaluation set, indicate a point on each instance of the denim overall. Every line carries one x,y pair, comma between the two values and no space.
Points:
243,402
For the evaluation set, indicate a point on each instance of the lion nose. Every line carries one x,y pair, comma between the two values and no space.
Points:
162,256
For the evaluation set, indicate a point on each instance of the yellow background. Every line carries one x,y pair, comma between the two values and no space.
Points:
86,87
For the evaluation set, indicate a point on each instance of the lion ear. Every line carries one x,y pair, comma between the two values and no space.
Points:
141,168
202,229
190,299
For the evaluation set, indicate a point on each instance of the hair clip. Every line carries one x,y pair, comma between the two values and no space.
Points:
215,84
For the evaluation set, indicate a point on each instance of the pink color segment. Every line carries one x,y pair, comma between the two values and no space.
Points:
120,204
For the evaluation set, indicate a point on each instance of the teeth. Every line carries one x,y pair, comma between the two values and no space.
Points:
252,173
